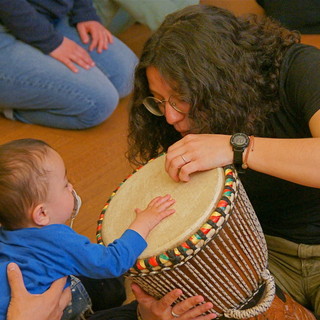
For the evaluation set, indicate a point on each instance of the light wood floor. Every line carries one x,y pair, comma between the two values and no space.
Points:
95,157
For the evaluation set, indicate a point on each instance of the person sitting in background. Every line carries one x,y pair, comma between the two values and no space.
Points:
59,66
36,199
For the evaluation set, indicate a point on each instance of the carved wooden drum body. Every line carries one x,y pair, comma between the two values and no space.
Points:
213,245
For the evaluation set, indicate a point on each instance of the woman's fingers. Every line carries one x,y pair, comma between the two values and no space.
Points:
15,280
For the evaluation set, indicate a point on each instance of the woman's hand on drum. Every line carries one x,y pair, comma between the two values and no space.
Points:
197,152
157,210
153,309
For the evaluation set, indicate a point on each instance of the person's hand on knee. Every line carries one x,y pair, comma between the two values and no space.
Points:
71,54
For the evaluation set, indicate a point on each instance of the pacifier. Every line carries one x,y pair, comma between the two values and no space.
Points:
76,208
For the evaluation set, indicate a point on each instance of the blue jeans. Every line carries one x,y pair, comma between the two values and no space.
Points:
80,303
41,90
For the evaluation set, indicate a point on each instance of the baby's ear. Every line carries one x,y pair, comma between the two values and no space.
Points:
39,215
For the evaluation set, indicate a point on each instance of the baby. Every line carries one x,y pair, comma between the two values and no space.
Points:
36,199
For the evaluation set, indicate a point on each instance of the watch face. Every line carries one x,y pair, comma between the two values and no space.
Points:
240,140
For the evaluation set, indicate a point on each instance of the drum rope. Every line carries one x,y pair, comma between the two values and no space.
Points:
200,285
172,281
230,274
172,277
243,275
248,218
230,263
234,274
243,224
198,289
159,283
149,287
243,265
262,306
258,229
238,213
248,246
214,290
227,285
166,278
257,260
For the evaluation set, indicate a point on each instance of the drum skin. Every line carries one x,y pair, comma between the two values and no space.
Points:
194,202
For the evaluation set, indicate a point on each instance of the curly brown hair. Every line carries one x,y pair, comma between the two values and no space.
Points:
226,67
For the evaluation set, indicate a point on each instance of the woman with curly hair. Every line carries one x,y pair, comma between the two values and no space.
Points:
212,89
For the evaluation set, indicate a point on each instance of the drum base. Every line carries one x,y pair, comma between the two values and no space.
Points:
283,307
287,310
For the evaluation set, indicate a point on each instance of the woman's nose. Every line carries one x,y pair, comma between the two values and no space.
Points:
172,115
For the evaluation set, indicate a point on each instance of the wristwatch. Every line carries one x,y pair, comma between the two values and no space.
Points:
239,141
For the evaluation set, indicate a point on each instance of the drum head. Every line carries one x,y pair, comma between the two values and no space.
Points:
195,201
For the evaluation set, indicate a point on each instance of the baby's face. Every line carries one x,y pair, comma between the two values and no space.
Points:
60,201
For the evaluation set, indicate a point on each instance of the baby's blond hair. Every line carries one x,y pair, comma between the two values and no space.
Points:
23,180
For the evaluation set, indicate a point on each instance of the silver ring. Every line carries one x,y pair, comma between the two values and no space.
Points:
185,161
174,314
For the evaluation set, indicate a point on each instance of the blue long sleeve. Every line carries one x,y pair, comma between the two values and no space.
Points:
83,10
49,253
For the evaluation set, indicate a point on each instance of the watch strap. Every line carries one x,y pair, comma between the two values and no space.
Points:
237,160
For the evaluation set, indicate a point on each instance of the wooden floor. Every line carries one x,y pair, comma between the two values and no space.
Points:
95,157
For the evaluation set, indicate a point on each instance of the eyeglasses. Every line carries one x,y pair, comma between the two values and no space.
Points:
157,106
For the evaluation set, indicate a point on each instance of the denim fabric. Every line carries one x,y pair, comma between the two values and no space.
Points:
80,303
42,90
106,296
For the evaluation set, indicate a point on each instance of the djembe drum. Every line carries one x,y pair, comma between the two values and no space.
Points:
212,245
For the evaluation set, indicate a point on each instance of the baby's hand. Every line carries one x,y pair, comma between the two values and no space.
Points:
157,210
